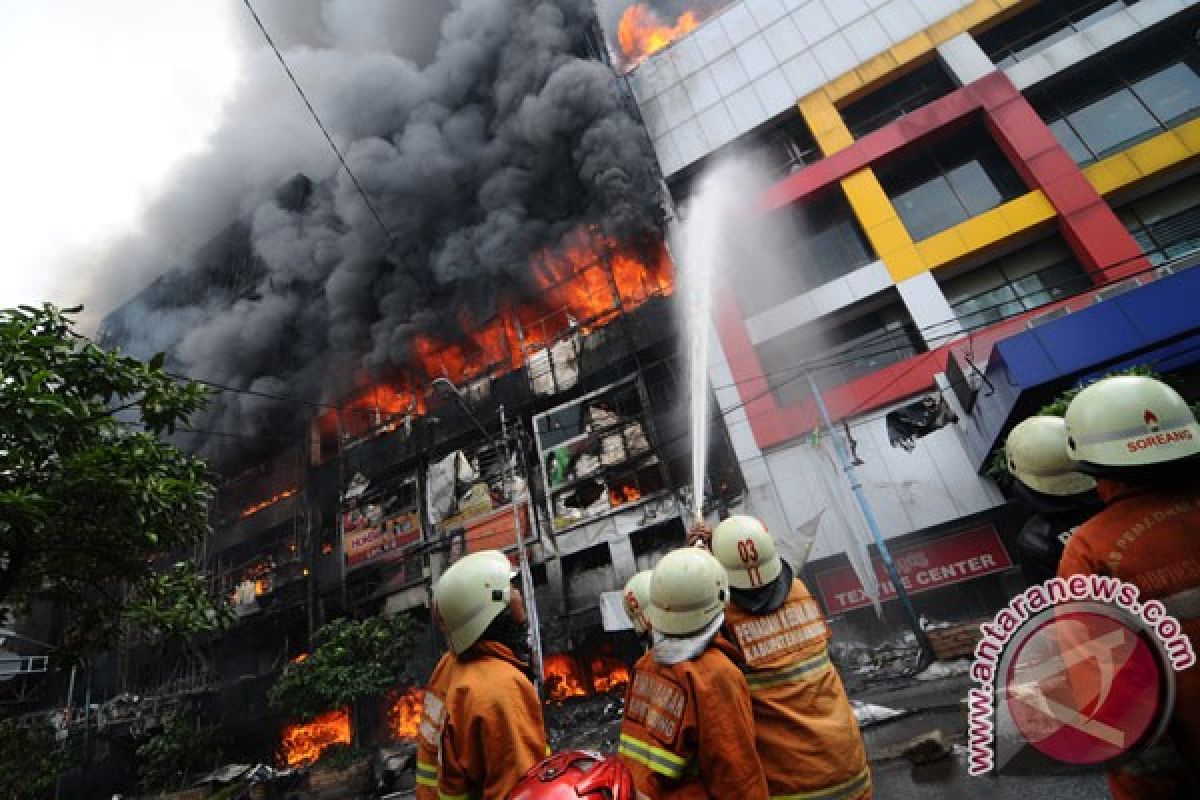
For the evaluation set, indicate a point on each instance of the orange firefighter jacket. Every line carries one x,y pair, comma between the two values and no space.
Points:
1150,538
493,732
429,734
808,738
688,731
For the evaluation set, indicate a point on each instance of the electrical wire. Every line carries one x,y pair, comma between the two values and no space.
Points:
316,118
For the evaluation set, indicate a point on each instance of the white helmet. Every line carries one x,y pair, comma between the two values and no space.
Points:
1130,421
747,551
1037,456
470,594
688,590
636,597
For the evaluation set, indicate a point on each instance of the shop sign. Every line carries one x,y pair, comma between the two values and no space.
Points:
942,562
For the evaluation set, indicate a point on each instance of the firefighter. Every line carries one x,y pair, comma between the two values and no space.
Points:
429,733
636,597
492,731
688,731
1141,441
1050,484
807,735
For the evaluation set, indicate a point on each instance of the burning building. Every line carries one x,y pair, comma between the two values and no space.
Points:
514,247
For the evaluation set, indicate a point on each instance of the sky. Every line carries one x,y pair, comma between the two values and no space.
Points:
101,100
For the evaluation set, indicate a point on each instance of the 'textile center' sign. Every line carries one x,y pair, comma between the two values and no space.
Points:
931,565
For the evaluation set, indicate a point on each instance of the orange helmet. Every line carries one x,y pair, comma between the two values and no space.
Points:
575,774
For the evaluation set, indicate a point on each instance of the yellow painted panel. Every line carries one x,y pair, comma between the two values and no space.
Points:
905,263
819,114
877,68
1027,210
1189,134
984,230
1164,150
912,48
845,84
975,14
871,205
942,248
1112,173
889,236
945,29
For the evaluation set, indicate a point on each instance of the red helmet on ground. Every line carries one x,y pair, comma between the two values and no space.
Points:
575,774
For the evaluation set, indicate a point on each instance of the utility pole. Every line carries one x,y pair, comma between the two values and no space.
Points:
509,475
914,622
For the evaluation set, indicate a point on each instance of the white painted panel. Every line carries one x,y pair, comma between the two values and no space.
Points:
738,23
782,318
653,117
774,92
868,280
675,106
846,11
686,56
717,124
713,41
690,139
814,22
964,59
702,90
899,19
729,73
746,109
668,154
765,11
804,74
784,38
835,56
756,56
868,38
832,296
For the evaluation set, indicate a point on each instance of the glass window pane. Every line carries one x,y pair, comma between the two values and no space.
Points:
1172,94
1070,142
929,208
974,187
1111,122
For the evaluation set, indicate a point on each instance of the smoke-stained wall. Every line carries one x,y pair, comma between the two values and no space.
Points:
502,143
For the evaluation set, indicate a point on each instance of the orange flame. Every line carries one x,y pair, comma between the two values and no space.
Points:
642,33
303,742
564,678
404,714
581,285
620,495
608,675
270,501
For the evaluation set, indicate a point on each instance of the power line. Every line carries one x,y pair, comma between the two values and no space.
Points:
321,125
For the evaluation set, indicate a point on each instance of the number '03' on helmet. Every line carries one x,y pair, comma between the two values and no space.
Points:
688,590
747,552
1130,421
470,594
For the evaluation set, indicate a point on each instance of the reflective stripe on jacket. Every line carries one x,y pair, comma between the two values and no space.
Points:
494,731
429,733
1150,538
688,731
807,736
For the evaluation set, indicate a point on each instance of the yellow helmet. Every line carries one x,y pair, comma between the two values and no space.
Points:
637,600
470,594
746,551
688,590
1036,451
1130,421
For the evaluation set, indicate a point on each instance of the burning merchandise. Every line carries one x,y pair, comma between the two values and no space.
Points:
270,501
404,714
302,743
568,677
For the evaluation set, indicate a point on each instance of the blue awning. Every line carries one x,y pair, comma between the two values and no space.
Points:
1157,324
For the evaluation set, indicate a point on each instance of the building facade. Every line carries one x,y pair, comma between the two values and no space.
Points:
946,175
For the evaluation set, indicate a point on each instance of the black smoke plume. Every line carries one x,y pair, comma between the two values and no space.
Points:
506,138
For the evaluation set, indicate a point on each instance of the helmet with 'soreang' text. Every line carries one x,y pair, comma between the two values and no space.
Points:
1130,421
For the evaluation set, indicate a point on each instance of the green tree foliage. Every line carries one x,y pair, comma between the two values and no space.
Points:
351,661
184,748
30,761
90,494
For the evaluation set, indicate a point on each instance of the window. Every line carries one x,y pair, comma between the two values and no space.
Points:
901,96
950,179
1042,25
796,249
862,341
1024,280
1125,95
789,147
1166,224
